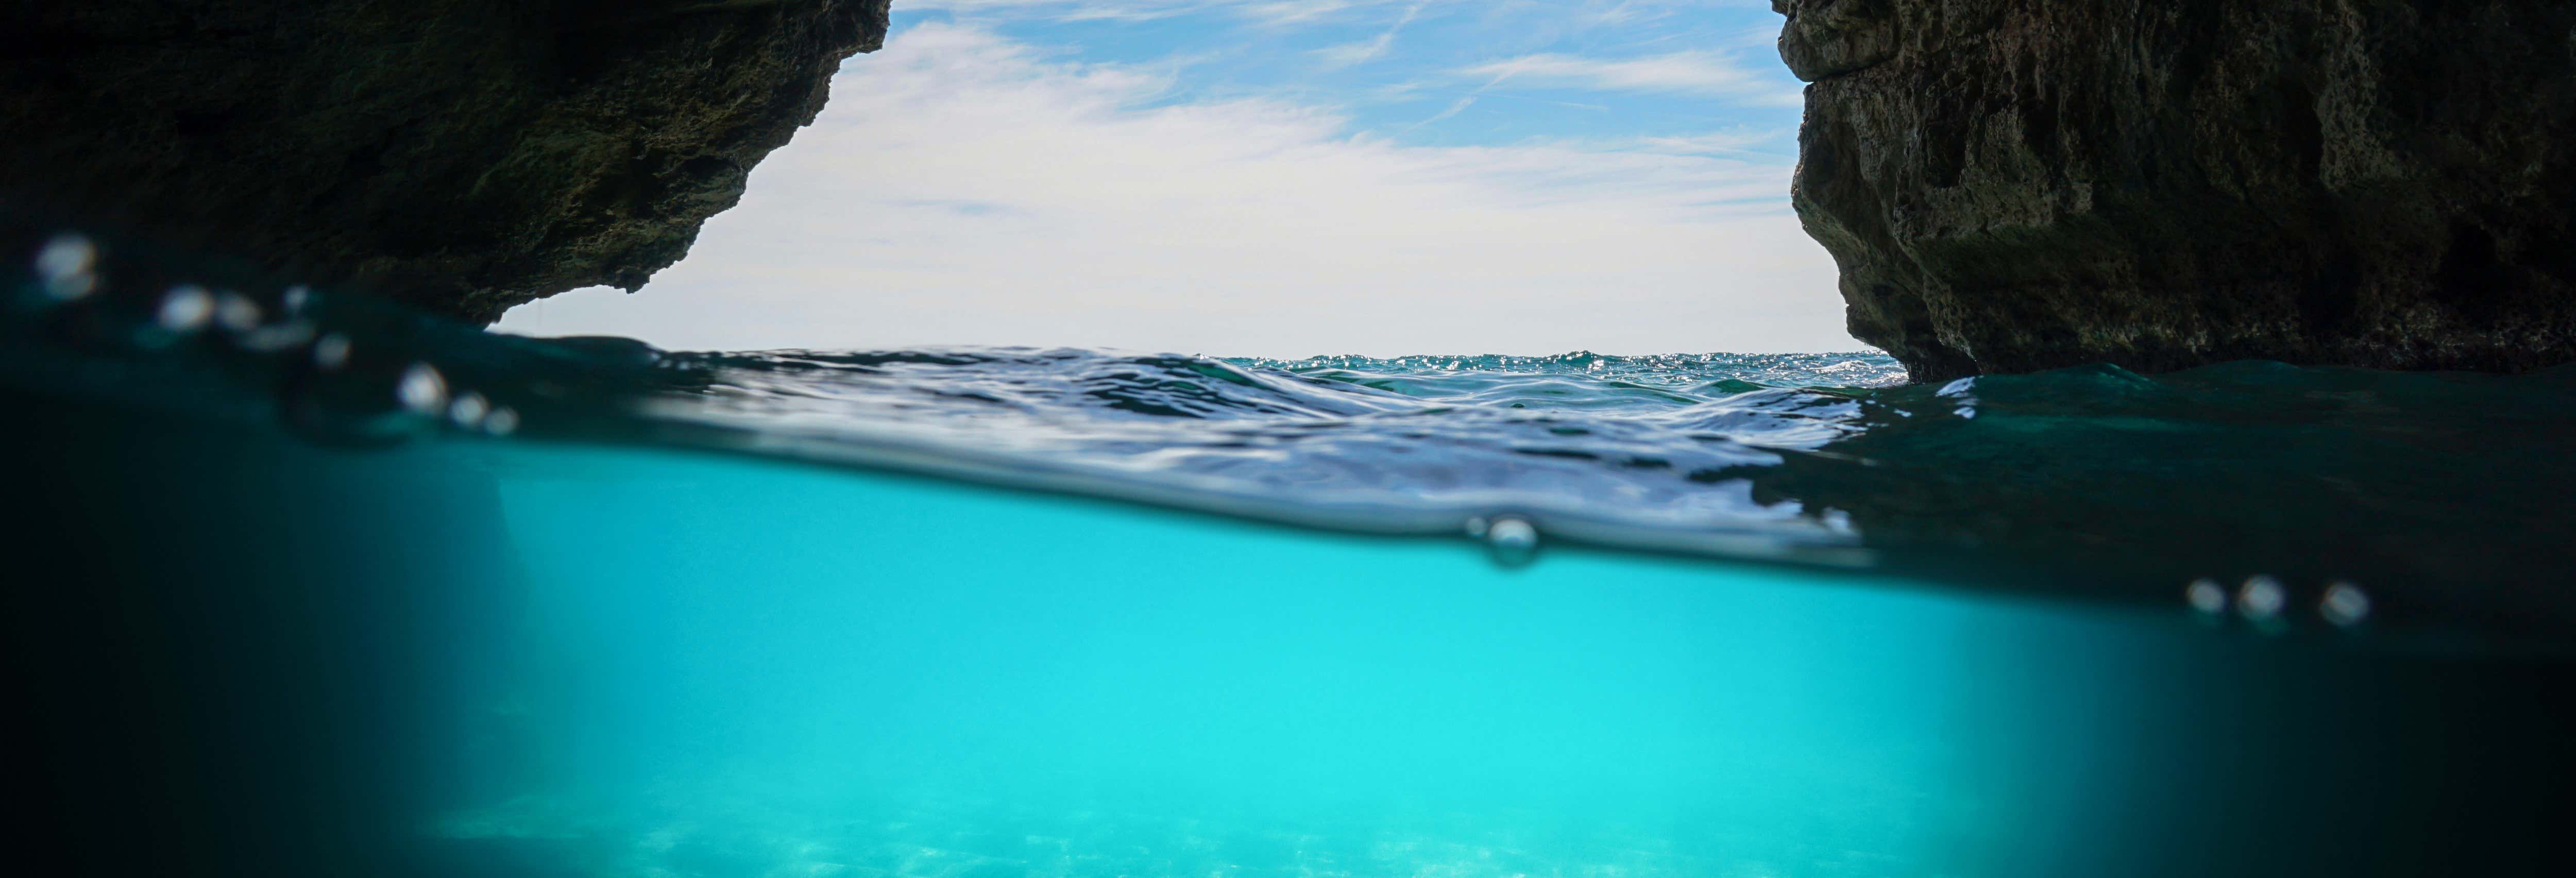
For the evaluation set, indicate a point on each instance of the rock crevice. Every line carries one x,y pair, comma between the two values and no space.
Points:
2011,185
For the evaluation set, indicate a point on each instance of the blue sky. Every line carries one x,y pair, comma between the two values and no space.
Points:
1259,177
1442,72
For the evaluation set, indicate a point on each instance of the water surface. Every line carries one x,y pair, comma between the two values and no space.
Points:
325,587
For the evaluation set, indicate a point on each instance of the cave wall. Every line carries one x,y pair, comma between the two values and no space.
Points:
2012,185
460,155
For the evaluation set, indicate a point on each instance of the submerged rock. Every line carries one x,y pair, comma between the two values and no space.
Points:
460,155
2011,185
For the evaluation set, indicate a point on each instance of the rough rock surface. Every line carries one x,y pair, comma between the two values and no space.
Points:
462,155
2010,185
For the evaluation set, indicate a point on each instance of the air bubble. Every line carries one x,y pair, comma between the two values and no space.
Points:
69,288
276,336
422,389
186,308
331,352
1512,541
298,298
469,409
502,421
65,263
1476,527
2261,598
236,312
2206,597
2344,605
65,255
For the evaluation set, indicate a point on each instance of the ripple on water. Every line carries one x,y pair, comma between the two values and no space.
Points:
2444,492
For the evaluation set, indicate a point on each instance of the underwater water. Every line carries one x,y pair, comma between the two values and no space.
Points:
312,585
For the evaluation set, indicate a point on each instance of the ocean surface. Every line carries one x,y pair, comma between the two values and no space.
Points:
310,584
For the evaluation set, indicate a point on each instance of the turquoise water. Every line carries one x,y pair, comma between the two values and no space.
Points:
290,605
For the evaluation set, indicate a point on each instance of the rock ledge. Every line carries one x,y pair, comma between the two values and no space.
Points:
2012,185
461,155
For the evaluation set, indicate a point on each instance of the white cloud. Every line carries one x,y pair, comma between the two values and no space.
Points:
1275,12
1716,142
1368,50
1298,11
1615,12
1070,9
962,188
1694,72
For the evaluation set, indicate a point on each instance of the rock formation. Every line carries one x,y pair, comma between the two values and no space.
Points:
461,155
2010,185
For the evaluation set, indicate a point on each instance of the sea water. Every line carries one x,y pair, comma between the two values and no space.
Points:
317,586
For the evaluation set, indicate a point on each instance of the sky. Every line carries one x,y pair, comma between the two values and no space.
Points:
1270,178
